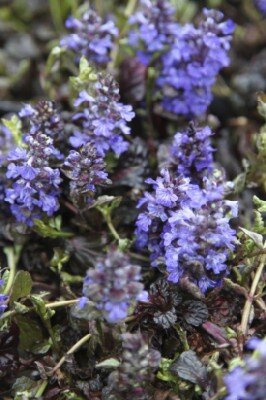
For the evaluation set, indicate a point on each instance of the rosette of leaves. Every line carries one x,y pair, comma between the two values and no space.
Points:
167,306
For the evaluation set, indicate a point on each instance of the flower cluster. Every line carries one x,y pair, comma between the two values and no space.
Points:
261,6
85,169
190,67
187,229
102,119
6,145
3,299
136,370
155,28
248,381
35,184
112,285
91,37
192,153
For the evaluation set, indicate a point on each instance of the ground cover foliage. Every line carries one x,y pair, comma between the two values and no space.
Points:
132,225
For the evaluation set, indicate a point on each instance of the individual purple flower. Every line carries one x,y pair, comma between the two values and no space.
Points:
192,153
100,118
155,28
86,170
132,379
248,381
186,228
92,37
113,285
261,6
3,299
6,144
190,67
35,183
43,117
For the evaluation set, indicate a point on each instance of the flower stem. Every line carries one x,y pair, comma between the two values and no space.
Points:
249,301
12,256
130,8
72,350
220,394
112,228
55,304
41,389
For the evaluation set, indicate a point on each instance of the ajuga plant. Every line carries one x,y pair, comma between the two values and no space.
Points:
85,170
155,28
168,306
187,229
187,59
261,6
248,379
34,180
3,299
91,37
192,154
101,118
135,373
112,285
130,267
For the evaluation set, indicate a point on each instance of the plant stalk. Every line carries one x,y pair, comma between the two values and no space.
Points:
12,260
55,304
41,389
72,350
249,301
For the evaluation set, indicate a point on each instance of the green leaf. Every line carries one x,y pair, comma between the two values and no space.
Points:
256,237
14,125
260,204
22,286
110,204
262,105
124,244
60,257
109,363
39,306
24,388
30,332
52,230
164,373
85,77
20,308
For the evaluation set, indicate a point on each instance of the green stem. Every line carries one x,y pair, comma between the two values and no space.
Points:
139,257
112,228
53,305
130,8
72,350
182,336
41,389
55,9
249,301
12,260
220,394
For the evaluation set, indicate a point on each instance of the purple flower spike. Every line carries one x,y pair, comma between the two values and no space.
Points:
156,28
112,285
190,67
35,187
101,118
192,153
186,228
86,170
91,37
248,381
